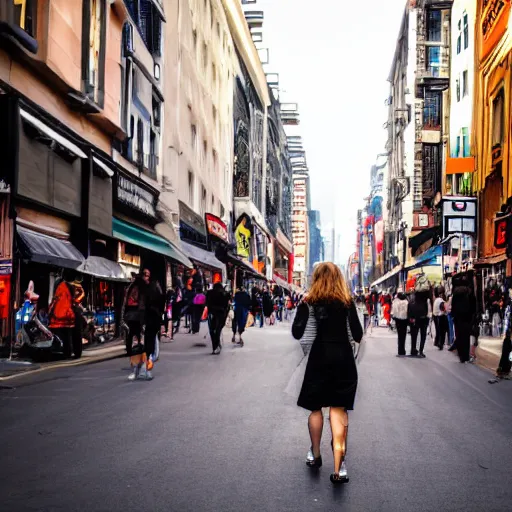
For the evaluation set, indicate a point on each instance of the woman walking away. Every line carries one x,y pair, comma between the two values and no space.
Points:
419,312
217,302
242,307
399,313
331,374
463,312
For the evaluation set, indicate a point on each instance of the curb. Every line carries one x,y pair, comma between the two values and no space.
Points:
66,364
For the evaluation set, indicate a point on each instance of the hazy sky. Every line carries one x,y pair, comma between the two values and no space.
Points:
333,58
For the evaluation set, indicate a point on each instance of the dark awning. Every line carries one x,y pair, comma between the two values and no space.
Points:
48,249
416,241
244,266
201,256
103,269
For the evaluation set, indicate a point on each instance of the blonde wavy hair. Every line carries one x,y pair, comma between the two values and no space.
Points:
328,285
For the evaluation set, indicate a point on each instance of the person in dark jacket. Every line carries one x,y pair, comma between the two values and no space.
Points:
463,313
331,374
419,312
217,302
133,311
242,307
155,306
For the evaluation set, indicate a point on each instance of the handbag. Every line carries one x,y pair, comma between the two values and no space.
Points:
250,320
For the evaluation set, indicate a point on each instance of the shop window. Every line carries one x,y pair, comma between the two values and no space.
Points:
465,85
25,15
434,25
466,31
191,189
498,120
93,49
432,110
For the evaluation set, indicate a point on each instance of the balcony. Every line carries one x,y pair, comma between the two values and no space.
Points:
18,25
290,114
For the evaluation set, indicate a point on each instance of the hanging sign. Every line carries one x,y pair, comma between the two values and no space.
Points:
243,237
136,197
216,227
500,232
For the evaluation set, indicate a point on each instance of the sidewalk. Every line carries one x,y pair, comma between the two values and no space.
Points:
10,369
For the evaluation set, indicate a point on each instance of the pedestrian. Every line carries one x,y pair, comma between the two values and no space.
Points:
418,312
154,310
440,318
217,302
463,312
257,306
268,306
132,313
242,307
399,311
385,302
288,307
451,328
198,305
330,378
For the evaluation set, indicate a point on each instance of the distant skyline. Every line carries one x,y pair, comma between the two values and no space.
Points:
334,59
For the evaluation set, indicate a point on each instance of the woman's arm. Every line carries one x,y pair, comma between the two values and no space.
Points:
355,325
301,320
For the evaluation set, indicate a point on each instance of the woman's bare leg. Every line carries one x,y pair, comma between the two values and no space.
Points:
316,425
339,428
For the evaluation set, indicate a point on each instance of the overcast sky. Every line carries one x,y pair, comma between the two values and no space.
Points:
333,58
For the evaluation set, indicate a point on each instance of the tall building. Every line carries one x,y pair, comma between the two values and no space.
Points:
316,246
417,132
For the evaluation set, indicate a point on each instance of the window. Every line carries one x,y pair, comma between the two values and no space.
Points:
434,60
194,40
203,200
153,155
205,148
459,38
205,58
222,211
157,110
140,143
466,31
434,25
93,50
214,76
213,204
457,82
432,110
466,149
218,30
498,119
214,113
149,22
191,189
214,158
457,148
193,136
465,85
25,15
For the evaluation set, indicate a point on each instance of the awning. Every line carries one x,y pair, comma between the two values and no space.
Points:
387,276
281,282
489,261
104,167
59,139
432,257
48,250
143,238
202,257
415,242
244,266
102,269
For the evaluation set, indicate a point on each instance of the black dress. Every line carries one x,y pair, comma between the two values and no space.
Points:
331,373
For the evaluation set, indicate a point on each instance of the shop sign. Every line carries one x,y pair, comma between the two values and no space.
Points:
243,238
500,232
216,227
493,24
136,197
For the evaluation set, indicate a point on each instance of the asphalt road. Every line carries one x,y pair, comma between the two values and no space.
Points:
220,434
